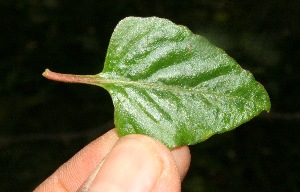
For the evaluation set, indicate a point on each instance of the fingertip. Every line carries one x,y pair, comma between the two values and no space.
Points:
182,157
133,164
141,163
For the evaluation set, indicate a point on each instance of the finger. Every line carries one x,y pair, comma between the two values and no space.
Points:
182,157
140,163
176,165
71,175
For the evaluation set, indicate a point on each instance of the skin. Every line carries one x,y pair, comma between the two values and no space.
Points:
135,163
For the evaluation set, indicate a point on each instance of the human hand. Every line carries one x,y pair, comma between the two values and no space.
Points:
133,163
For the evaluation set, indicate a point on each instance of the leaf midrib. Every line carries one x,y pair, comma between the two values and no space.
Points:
167,88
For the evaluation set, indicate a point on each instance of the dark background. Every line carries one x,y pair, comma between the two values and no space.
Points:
43,123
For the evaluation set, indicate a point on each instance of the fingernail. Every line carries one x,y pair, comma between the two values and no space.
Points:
131,166
86,185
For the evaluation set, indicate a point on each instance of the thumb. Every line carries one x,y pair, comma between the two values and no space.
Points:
138,163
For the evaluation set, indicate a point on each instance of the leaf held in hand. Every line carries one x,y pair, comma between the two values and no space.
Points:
173,85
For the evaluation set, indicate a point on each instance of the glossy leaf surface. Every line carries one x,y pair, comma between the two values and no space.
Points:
173,85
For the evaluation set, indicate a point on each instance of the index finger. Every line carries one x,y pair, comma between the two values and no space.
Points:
71,175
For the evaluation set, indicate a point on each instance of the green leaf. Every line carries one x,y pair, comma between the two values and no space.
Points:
173,85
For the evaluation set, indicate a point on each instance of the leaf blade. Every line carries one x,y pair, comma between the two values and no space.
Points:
175,86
